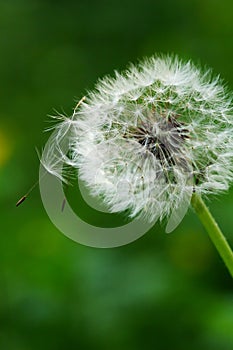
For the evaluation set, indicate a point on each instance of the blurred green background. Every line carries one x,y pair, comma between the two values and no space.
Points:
160,292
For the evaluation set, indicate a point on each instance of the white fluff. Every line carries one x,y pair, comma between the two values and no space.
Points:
144,137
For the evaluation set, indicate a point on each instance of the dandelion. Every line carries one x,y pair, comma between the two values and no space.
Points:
149,139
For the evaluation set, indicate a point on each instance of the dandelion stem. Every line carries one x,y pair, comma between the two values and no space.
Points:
214,231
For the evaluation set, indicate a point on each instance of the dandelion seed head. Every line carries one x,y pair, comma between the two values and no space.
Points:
143,138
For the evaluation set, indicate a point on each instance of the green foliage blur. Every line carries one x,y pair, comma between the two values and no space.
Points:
160,292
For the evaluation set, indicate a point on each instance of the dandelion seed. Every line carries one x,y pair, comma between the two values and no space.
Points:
21,200
165,122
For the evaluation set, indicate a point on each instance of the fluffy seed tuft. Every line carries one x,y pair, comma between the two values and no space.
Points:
147,137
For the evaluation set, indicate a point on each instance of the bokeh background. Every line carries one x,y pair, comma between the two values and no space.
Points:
160,292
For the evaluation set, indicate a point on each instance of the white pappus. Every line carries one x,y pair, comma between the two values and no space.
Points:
146,138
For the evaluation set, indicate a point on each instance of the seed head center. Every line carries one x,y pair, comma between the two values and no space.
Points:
161,137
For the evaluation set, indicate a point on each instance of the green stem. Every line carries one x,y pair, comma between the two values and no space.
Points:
214,231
